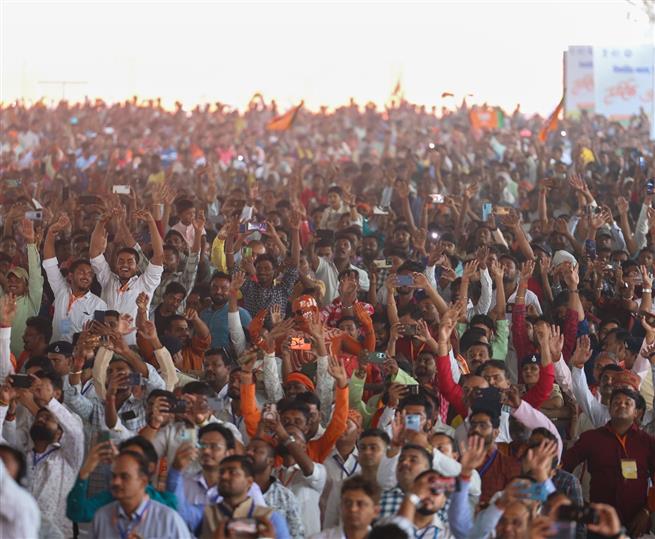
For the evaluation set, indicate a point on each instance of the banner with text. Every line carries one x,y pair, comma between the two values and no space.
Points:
623,80
579,80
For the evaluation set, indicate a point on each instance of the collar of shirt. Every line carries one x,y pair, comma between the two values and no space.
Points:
212,492
138,514
244,510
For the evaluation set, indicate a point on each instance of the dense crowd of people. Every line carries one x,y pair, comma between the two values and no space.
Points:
375,323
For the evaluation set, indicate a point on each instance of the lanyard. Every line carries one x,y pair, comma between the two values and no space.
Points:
125,287
36,460
132,524
622,440
343,466
411,349
488,463
436,532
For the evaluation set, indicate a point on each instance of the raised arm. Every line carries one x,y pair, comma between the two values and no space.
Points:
155,238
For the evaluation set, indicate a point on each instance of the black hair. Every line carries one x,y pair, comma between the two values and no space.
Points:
610,367
286,405
175,288
141,460
376,433
266,257
420,449
121,359
198,388
168,321
484,320
20,460
161,393
412,310
245,462
130,251
55,379
346,319
387,531
226,433
627,392
495,363
172,248
40,362
410,265
546,434
348,272
220,275
144,444
183,205
358,482
494,417
335,189
42,325
417,400
79,262
309,397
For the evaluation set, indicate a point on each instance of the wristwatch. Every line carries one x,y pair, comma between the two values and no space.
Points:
290,440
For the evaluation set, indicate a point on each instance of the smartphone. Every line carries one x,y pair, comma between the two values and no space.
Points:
404,280
242,526
134,379
246,213
412,389
21,381
437,198
376,357
650,186
186,435
246,252
270,411
260,227
103,437
179,406
12,184
408,330
299,343
325,234
99,316
36,215
574,513
87,199
537,492
383,263
487,209
501,210
121,189
413,422
642,162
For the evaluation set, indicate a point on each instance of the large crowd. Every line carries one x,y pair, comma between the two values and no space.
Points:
369,323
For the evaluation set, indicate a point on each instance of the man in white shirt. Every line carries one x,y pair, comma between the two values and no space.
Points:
360,506
120,290
74,302
19,513
299,473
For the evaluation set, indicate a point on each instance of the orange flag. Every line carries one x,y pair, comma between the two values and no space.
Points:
551,122
285,121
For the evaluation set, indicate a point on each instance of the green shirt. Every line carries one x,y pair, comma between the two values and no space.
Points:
80,508
499,342
368,409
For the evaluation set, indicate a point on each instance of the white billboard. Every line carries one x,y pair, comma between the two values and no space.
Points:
623,80
578,80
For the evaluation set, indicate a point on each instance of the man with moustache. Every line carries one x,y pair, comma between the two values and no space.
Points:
134,513
57,452
216,317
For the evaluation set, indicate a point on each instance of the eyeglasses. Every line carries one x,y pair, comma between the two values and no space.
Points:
211,446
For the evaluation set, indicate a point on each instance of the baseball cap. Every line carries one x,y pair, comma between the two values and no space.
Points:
19,272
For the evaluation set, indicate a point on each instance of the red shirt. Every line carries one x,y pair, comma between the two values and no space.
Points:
603,451
496,473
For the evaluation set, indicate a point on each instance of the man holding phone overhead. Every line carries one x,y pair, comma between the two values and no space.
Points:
74,303
121,289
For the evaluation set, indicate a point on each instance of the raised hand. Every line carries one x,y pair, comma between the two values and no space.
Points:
27,230
148,330
7,310
622,206
102,452
582,352
238,280
472,454
527,269
276,314
539,460
61,224
125,324
496,270
184,456
142,301
470,269
555,342
199,222
337,371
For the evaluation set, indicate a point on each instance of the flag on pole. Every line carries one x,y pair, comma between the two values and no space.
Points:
285,121
551,122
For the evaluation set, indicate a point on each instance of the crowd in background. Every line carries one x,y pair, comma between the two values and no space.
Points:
369,323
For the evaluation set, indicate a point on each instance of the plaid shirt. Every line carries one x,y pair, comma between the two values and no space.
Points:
256,297
390,502
186,278
281,499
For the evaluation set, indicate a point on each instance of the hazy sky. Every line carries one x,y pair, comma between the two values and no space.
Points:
503,53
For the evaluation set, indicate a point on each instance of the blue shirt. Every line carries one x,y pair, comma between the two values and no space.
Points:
217,323
151,520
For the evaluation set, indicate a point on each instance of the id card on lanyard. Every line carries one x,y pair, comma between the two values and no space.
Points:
628,465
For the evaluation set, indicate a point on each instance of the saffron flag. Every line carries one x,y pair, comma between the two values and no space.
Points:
485,118
551,122
285,121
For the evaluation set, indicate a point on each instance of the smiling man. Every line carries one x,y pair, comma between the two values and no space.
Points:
74,302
